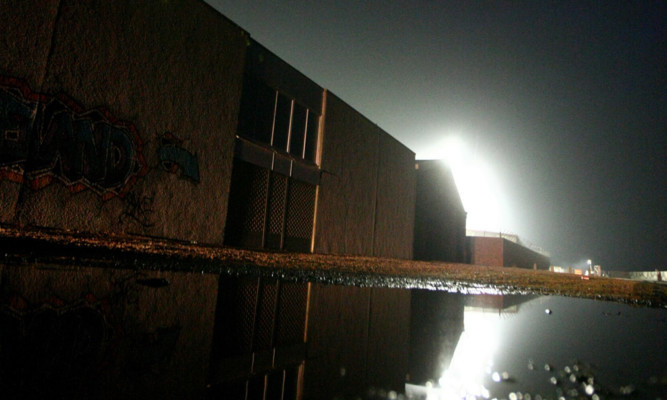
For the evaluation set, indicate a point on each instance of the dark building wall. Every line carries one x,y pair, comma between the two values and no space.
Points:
346,204
82,332
129,115
140,102
515,255
265,65
440,220
366,200
275,173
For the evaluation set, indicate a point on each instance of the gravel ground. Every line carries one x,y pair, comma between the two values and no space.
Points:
43,246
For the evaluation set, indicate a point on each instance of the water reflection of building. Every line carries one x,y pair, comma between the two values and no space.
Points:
436,325
500,303
307,340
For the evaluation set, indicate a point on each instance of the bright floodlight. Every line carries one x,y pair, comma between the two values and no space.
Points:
477,182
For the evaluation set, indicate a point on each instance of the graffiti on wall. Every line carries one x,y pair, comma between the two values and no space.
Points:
175,159
47,138
139,210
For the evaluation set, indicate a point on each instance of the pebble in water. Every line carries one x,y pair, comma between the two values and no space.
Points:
627,389
589,389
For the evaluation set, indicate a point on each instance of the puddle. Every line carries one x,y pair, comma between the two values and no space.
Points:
526,347
79,331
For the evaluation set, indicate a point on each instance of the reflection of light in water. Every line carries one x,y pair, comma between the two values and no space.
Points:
473,357
472,360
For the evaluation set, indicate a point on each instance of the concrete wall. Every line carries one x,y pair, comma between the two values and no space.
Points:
104,333
136,104
365,204
440,220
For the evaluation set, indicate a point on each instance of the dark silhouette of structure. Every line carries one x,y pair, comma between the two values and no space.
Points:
440,220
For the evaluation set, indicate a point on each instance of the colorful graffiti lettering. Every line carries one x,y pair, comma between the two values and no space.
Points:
174,158
46,138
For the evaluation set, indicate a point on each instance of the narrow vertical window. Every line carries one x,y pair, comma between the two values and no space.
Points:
282,122
264,113
297,136
312,126
257,109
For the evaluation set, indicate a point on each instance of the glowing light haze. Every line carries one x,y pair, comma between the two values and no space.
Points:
479,184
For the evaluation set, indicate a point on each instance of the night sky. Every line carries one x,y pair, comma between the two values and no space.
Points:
563,103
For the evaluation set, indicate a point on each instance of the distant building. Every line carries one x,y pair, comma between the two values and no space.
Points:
440,220
501,250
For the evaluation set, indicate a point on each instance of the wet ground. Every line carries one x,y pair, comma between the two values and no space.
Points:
57,247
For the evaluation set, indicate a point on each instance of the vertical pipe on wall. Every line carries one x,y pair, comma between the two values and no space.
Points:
318,161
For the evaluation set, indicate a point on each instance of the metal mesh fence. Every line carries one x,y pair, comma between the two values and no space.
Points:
269,210
276,215
247,205
299,223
